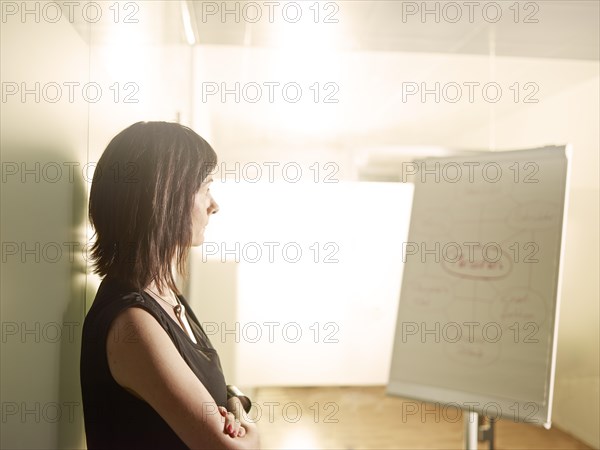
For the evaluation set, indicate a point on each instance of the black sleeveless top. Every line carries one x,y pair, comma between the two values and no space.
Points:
114,418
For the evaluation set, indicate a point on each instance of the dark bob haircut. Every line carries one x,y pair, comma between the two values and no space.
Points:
141,202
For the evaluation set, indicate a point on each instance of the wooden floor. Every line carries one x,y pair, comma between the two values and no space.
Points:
365,418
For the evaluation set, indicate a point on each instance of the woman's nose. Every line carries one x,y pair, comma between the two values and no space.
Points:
214,207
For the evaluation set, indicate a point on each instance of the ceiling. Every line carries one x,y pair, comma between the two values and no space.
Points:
564,29
544,29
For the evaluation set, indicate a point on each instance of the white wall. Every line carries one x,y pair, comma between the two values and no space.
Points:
320,312
42,292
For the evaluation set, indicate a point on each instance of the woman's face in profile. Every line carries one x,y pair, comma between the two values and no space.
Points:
204,206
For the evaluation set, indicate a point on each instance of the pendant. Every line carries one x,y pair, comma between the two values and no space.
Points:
180,313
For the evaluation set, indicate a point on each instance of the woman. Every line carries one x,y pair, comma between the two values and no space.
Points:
150,377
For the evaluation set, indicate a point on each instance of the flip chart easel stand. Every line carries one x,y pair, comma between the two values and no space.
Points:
476,432
471,430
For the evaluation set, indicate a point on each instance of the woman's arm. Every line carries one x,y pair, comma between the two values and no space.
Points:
147,363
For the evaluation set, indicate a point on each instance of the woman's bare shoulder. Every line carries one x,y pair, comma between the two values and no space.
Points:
132,330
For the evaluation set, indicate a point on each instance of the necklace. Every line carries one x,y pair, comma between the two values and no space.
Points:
179,311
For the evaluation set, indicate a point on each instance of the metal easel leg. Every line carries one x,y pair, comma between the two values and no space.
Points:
471,430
